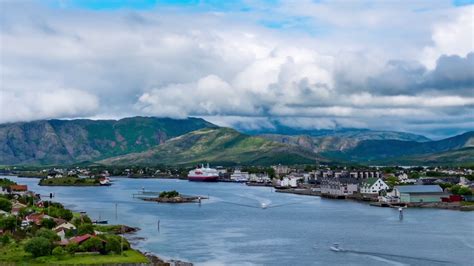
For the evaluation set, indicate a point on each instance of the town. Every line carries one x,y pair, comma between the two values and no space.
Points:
434,187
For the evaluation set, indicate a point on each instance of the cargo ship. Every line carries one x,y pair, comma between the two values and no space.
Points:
204,174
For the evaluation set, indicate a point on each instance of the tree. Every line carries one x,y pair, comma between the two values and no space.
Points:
414,175
460,190
112,245
5,205
38,246
72,247
85,229
93,244
48,234
66,214
391,181
8,223
84,219
59,251
5,240
48,223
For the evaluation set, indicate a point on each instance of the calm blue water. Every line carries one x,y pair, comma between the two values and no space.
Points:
221,232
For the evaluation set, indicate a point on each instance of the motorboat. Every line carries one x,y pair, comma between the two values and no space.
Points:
336,248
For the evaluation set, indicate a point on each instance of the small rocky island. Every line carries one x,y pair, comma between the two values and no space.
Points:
168,197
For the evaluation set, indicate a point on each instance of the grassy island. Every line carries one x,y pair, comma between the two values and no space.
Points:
69,181
173,197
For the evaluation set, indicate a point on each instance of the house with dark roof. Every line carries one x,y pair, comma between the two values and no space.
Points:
419,193
338,187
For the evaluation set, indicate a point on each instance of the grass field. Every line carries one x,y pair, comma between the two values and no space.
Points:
14,253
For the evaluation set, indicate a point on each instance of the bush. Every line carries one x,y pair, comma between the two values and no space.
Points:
38,246
5,205
84,219
8,223
169,194
85,229
48,234
5,240
92,244
113,245
66,214
59,251
72,247
48,223
460,190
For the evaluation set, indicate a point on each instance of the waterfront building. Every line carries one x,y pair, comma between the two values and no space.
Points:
338,187
289,181
259,178
239,176
373,186
281,170
419,193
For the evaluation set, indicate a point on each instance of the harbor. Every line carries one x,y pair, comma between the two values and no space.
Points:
248,233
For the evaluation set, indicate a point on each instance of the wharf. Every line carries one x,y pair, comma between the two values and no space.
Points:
299,191
255,184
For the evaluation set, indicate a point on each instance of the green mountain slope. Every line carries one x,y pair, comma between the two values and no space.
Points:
219,146
70,141
391,150
341,140
459,157
352,133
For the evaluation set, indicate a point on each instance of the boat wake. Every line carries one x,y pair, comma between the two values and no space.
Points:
389,257
264,205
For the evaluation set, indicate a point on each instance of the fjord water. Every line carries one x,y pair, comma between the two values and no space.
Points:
232,228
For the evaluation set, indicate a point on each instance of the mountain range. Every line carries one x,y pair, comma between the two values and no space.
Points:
150,140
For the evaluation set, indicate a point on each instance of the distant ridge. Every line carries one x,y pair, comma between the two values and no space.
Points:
151,140
70,141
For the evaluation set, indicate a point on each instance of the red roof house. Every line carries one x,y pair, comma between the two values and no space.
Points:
80,239
19,188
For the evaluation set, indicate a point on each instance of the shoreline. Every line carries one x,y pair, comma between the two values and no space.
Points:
431,205
154,259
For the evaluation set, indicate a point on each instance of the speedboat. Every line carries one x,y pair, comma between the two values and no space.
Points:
335,247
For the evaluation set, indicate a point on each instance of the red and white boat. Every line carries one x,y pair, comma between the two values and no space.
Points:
205,174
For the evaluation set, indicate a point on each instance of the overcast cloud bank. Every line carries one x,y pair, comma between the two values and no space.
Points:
304,64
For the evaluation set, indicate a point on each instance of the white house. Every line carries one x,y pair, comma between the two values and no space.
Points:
62,228
403,178
289,182
373,186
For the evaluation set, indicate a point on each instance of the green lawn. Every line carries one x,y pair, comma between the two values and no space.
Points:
14,253
129,256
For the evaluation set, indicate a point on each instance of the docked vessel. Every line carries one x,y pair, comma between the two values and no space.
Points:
202,173
239,176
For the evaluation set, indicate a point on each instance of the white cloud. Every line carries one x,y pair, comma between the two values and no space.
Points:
452,38
351,65
33,105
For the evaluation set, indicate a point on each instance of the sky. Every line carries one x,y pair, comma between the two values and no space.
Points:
384,65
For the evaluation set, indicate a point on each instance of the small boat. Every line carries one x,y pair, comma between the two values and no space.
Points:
335,247
100,222
105,181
